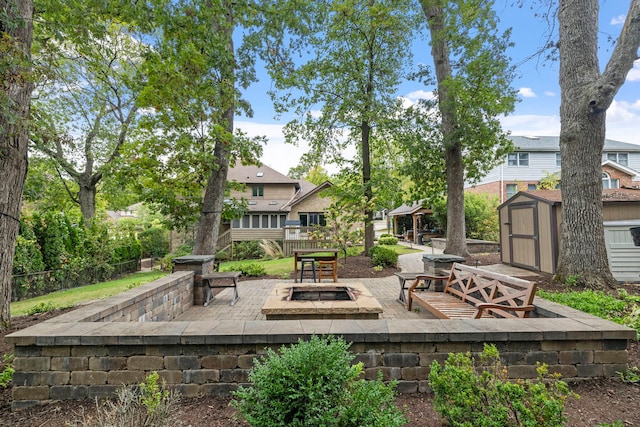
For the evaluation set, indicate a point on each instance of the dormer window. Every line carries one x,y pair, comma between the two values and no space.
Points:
257,191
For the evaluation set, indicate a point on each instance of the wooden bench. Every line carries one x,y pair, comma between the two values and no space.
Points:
229,279
472,293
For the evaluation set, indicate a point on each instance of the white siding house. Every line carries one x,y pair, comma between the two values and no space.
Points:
538,156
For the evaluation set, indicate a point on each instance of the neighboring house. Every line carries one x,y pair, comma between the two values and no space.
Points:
538,156
274,201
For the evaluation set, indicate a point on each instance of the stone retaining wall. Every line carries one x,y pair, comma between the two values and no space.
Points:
80,355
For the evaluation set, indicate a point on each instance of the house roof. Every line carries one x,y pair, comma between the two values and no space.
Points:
307,189
621,168
609,195
552,143
252,174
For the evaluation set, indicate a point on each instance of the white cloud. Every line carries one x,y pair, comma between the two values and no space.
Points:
634,73
420,94
276,154
531,124
549,93
618,20
526,92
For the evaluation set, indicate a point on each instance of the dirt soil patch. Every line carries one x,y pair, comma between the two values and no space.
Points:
601,401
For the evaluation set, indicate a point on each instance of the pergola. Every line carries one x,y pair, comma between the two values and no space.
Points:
416,213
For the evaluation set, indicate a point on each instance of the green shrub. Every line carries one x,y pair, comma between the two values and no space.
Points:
389,240
250,269
313,383
631,375
42,307
154,241
6,376
247,250
470,392
383,256
386,235
151,404
480,216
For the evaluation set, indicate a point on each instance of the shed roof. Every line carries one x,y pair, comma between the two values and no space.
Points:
609,195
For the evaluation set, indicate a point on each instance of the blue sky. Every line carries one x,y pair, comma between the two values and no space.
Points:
537,113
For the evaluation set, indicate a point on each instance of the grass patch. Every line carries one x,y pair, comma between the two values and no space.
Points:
623,309
274,267
82,294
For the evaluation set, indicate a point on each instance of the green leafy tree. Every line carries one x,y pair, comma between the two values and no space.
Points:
343,218
549,181
473,80
195,74
86,106
358,54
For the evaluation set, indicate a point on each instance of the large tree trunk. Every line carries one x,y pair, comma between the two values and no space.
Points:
368,191
16,29
211,216
586,95
87,199
456,235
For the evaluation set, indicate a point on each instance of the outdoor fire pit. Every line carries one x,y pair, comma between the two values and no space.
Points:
320,293
313,301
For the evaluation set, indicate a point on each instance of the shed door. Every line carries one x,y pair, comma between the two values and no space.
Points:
523,235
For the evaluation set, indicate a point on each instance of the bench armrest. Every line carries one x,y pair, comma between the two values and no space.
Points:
485,306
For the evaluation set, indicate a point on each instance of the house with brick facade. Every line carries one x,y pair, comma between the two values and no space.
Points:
538,156
274,201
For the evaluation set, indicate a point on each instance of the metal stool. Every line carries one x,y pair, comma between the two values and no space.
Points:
304,262
328,269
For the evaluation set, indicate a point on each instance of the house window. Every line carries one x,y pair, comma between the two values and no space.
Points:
511,190
257,191
312,218
518,159
608,182
620,158
558,160
531,187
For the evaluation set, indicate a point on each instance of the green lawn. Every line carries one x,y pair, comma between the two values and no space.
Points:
82,294
72,297
284,266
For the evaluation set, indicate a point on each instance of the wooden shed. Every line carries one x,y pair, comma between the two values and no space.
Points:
530,224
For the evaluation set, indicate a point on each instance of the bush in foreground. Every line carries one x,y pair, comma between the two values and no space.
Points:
470,392
313,383
383,256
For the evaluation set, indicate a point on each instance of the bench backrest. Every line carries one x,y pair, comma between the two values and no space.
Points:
478,286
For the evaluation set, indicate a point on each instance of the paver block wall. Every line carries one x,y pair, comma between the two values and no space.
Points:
79,355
